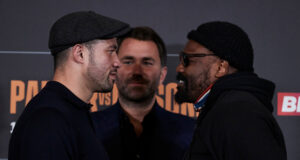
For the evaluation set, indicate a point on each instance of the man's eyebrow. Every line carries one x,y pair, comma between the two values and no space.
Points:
113,46
148,58
127,57
143,59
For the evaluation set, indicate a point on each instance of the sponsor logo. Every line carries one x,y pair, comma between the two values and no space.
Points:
288,104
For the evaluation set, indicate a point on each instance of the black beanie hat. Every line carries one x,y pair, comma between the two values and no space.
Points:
227,41
83,26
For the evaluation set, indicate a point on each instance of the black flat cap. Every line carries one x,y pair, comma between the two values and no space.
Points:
83,26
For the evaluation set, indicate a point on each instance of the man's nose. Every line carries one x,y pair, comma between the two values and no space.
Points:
180,68
116,61
137,68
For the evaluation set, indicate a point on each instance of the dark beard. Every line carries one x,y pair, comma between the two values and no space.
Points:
191,89
147,94
181,95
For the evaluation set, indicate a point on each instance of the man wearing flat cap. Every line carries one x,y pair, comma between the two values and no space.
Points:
235,121
56,124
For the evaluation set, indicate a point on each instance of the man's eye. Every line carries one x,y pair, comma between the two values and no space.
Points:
191,60
148,63
111,51
127,62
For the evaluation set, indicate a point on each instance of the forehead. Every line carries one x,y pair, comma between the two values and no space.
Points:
195,47
138,48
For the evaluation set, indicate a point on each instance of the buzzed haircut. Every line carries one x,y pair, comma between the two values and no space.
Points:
60,58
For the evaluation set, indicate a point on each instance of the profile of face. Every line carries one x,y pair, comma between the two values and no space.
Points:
140,72
195,72
103,64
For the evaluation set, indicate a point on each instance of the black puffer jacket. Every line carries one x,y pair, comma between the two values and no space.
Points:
237,123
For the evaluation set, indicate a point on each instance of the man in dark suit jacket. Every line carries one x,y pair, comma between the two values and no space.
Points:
136,127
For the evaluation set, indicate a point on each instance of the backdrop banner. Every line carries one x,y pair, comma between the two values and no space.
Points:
29,73
272,26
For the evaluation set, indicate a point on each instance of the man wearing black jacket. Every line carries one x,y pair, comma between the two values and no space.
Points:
235,121
56,124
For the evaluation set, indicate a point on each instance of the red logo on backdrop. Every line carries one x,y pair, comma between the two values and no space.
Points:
288,104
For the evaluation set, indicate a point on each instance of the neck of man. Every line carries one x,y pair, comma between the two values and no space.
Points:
136,111
74,83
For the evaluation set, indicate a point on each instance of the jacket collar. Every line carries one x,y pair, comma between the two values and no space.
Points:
66,94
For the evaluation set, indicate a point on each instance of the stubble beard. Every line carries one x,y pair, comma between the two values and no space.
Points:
99,79
141,95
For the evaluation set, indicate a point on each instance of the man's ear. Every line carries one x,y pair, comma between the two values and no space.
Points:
223,68
163,74
77,53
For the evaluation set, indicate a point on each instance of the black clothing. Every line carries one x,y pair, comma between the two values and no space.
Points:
236,122
165,136
55,125
227,41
